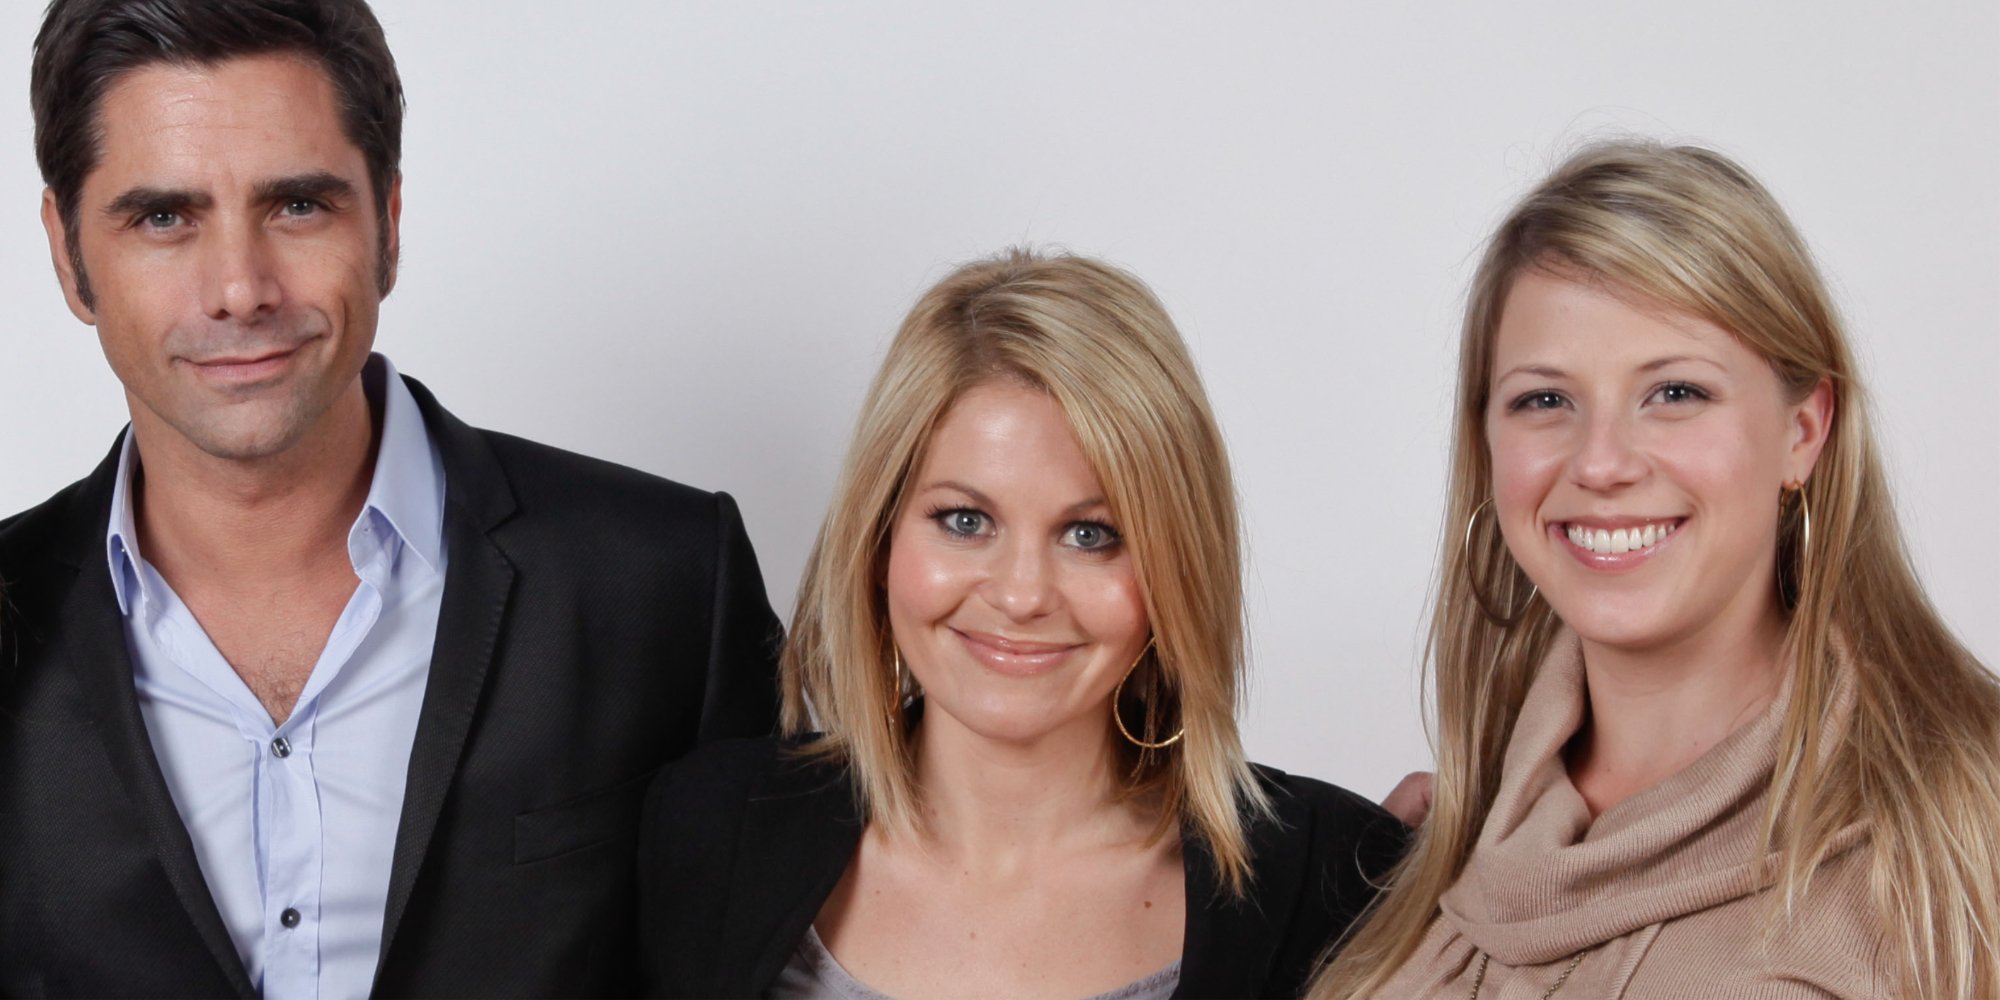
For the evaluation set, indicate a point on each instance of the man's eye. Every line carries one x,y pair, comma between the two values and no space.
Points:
1091,536
162,220
298,207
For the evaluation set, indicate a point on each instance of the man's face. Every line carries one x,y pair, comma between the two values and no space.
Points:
231,238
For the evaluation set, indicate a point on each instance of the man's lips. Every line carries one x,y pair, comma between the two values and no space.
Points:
245,366
246,359
1017,657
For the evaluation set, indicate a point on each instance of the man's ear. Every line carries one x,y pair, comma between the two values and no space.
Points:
1812,422
392,235
66,265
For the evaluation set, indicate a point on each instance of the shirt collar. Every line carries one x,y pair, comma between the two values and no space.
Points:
408,486
406,490
123,554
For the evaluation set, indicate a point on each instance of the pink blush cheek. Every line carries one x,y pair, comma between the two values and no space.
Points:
1524,479
1113,611
922,586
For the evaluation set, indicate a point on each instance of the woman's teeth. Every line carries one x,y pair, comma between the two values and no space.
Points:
1620,540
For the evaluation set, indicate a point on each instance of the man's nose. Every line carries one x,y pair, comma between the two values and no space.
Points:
241,275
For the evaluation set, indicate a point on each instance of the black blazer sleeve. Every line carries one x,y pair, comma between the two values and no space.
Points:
1315,864
1351,844
740,844
740,698
687,856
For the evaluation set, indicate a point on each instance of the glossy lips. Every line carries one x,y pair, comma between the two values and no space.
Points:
1014,657
1615,546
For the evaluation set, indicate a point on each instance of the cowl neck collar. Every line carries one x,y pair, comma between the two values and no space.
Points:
1546,881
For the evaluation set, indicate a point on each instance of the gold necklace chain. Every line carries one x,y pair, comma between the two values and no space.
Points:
1479,979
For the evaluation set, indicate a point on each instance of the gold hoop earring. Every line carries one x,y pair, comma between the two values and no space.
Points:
1796,487
1805,527
899,685
1486,604
1118,693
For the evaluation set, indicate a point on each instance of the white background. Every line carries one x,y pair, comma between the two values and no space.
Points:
679,235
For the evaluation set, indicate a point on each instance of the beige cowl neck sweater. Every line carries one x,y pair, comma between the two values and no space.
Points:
1660,894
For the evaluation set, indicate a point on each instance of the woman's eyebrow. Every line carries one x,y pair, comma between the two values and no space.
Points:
1543,371
1658,363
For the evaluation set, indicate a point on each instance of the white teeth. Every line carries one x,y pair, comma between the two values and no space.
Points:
1613,542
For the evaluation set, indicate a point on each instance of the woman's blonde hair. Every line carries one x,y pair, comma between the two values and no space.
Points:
1917,758
1098,342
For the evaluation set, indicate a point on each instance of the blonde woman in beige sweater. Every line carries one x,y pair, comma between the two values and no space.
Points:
1700,734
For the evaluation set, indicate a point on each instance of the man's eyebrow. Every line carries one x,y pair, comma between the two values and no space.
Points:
147,200
318,184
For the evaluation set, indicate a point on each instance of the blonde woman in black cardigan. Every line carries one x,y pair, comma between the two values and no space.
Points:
1019,638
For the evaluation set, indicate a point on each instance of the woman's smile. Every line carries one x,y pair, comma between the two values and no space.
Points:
1015,657
1615,545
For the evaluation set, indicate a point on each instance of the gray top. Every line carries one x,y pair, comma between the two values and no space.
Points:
814,974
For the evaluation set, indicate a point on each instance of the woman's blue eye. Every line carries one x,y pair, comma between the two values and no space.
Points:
961,522
1091,536
1540,399
1679,392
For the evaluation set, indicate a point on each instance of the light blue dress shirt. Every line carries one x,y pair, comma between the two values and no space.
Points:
295,824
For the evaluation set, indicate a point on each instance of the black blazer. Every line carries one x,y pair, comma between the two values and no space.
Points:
743,841
597,622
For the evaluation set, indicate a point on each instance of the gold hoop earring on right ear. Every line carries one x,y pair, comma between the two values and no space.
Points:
1805,524
1118,692
899,685
1795,488
1486,604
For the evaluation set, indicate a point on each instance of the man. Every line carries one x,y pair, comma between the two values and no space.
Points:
311,690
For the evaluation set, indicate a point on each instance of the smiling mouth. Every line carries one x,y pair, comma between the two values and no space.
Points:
246,369
242,360
1015,657
1637,536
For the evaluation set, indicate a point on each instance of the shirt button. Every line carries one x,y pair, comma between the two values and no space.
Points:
290,918
283,748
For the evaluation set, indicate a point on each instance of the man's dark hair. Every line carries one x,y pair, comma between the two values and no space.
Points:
86,45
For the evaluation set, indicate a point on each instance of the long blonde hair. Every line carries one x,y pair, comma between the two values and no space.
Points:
1918,757
1098,342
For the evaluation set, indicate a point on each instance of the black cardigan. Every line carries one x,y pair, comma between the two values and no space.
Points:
743,840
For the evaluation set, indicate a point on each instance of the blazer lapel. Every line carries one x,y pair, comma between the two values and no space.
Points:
1228,938
102,666
802,822
478,582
